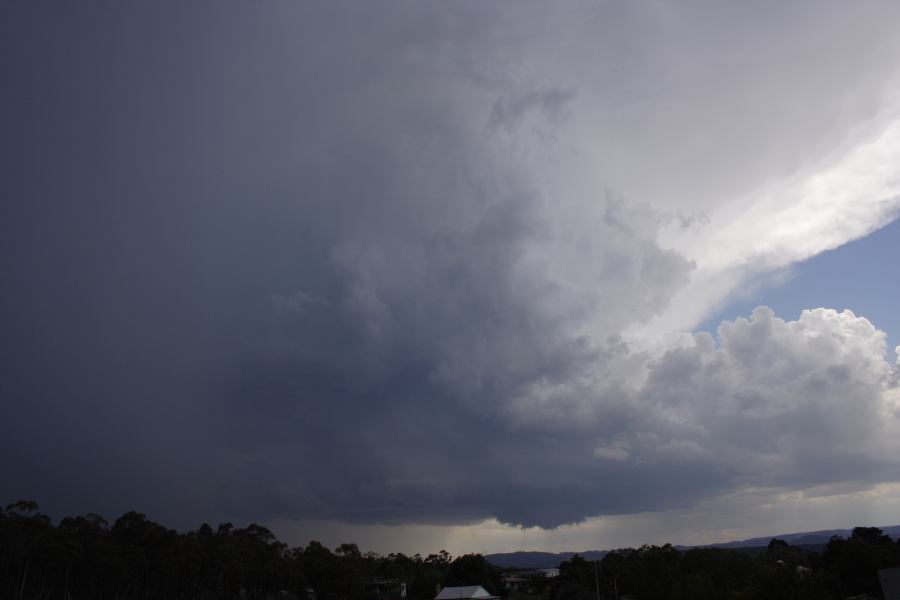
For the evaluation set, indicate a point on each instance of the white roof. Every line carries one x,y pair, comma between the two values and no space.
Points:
463,591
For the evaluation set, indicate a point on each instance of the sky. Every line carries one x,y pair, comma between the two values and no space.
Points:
467,276
840,278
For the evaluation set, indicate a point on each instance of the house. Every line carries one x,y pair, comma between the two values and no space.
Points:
528,581
890,583
463,592
547,573
515,582
385,588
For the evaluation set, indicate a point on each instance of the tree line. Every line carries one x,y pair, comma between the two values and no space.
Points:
844,568
134,558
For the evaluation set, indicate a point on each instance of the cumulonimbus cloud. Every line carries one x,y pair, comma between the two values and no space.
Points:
425,266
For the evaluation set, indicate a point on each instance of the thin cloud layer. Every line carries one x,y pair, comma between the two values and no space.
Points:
435,264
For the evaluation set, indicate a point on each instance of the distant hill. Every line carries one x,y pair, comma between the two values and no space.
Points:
807,538
544,560
539,560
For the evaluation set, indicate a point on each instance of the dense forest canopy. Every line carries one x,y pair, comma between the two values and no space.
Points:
86,557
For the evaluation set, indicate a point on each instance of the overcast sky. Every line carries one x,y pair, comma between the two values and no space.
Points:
467,275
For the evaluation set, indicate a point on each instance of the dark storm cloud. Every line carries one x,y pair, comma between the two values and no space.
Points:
304,261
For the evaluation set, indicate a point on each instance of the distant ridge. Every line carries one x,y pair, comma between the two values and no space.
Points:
546,560
806,538
538,560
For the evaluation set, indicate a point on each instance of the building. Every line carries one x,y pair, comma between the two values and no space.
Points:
528,581
890,583
463,592
385,588
547,573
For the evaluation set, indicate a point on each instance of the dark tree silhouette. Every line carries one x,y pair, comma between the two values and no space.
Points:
84,558
474,569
